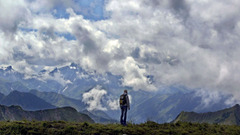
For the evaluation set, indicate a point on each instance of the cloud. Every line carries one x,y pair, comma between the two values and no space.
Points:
57,76
13,14
176,42
113,104
47,6
93,98
208,98
212,98
133,74
189,51
99,99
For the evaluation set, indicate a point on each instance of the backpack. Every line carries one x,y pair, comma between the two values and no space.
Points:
123,100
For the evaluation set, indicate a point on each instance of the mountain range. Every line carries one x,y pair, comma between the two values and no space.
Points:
229,116
62,101
165,107
65,86
35,100
16,113
59,100
71,80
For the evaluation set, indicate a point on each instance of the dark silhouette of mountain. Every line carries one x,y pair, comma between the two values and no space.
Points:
59,100
99,116
229,116
16,113
27,101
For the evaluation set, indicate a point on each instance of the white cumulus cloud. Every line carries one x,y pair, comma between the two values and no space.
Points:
94,98
176,42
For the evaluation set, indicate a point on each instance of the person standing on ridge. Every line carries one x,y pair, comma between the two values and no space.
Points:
124,105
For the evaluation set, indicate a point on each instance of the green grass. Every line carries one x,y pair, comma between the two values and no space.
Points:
151,128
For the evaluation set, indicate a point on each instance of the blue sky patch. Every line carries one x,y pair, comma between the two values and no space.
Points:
92,9
68,36
28,29
60,13
89,9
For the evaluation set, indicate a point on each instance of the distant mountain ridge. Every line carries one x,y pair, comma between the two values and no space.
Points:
65,86
36,100
70,80
166,107
7,86
26,100
229,116
16,113
59,100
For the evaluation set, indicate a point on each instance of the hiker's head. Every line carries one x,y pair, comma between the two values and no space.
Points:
125,91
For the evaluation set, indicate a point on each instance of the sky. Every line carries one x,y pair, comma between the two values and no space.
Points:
150,43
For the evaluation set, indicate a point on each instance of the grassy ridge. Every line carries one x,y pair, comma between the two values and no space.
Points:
151,128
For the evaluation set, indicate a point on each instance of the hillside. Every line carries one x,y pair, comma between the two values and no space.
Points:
26,100
100,117
16,113
229,116
148,128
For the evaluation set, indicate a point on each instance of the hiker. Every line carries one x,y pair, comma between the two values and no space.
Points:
124,105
